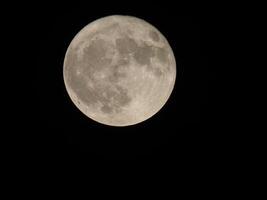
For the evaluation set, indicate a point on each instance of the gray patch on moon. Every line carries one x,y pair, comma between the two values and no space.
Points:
162,55
153,35
116,74
110,97
106,109
115,99
126,45
94,54
122,99
123,61
156,71
143,54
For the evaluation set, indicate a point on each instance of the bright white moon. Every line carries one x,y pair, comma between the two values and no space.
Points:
119,70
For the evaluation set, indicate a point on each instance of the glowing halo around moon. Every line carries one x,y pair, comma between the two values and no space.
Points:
119,70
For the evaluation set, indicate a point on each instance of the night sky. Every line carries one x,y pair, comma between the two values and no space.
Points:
184,129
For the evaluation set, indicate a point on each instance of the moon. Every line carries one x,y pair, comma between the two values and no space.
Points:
119,70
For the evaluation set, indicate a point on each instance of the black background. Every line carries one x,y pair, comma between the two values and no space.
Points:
183,130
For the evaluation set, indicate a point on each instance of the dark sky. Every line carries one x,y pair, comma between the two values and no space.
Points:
182,130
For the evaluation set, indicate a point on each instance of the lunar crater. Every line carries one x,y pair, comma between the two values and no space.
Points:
154,36
114,99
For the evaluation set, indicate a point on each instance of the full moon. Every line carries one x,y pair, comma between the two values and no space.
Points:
119,70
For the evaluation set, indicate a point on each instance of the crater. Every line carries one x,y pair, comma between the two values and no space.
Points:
115,100
85,94
155,70
106,109
116,74
154,35
122,99
123,61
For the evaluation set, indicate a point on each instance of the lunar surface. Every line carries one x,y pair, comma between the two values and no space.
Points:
119,70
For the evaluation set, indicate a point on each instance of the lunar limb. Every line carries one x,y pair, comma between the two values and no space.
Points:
119,70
